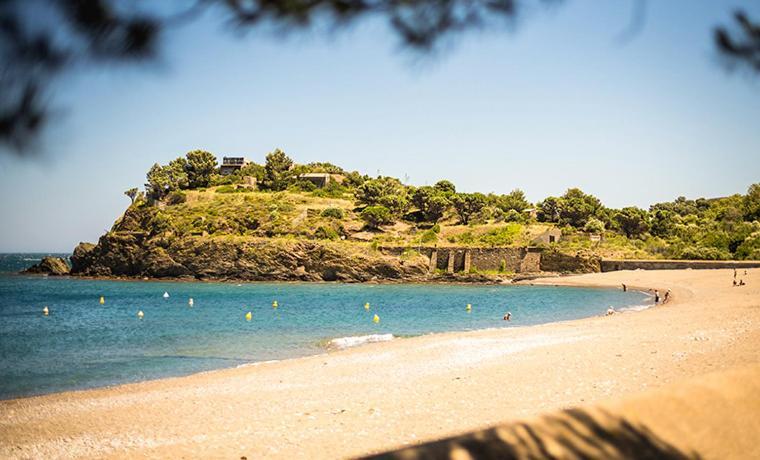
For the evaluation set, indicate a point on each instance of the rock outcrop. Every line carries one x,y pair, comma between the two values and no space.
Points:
241,259
581,262
54,266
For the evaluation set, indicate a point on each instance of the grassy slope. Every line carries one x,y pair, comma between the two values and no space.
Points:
298,215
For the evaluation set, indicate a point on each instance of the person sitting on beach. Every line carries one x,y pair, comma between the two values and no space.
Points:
610,311
656,296
735,283
508,316
741,282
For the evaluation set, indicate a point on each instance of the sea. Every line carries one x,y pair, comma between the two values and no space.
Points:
83,343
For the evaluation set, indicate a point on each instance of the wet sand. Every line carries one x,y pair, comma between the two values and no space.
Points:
387,395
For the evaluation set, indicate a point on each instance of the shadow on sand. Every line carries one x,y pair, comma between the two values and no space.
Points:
570,434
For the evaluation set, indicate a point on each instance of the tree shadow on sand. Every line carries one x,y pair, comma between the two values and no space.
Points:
570,434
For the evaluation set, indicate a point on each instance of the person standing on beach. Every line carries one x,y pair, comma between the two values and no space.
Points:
625,288
667,296
656,296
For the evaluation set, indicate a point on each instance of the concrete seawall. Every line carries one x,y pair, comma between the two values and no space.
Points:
608,265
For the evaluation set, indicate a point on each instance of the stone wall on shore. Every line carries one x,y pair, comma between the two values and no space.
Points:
467,259
609,265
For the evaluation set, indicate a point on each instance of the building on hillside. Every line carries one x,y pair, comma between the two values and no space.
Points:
321,179
551,235
231,165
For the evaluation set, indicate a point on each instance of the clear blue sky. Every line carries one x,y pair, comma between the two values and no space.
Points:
559,102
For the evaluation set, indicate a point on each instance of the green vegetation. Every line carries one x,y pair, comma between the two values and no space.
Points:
275,200
375,216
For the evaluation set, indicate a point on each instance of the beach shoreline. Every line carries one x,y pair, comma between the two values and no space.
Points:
404,391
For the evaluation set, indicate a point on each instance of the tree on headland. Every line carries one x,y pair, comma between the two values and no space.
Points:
201,165
375,216
752,202
375,191
549,209
577,207
177,173
165,179
158,182
632,221
431,202
131,193
445,186
277,170
662,222
467,205
514,200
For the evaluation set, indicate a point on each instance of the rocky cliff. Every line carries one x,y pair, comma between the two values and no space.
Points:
49,266
145,243
230,258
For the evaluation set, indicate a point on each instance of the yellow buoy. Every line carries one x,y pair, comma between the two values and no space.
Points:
248,316
140,314
45,311
469,308
376,319
274,304
190,302
102,300
366,306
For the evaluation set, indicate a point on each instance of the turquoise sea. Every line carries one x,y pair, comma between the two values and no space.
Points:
83,344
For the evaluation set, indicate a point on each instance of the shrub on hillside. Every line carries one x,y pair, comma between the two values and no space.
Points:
302,185
704,253
593,225
226,189
428,236
375,216
176,197
513,216
333,213
326,233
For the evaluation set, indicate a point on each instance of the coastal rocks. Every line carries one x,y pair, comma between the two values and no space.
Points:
54,266
581,262
265,259
82,257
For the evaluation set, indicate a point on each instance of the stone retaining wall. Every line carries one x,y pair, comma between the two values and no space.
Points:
463,259
609,265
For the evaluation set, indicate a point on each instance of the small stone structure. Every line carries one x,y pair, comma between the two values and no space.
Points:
250,182
551,235
321,179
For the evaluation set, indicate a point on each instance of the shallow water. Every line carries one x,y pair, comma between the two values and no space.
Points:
84,344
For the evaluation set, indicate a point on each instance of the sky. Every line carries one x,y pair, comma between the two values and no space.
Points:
558,101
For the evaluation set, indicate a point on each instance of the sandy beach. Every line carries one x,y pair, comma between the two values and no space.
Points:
388,395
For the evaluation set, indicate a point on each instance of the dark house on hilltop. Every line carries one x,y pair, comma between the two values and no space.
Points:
231,165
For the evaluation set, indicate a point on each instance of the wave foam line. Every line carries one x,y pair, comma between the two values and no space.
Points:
353,341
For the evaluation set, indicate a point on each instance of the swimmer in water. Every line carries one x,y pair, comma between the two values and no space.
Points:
508,316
